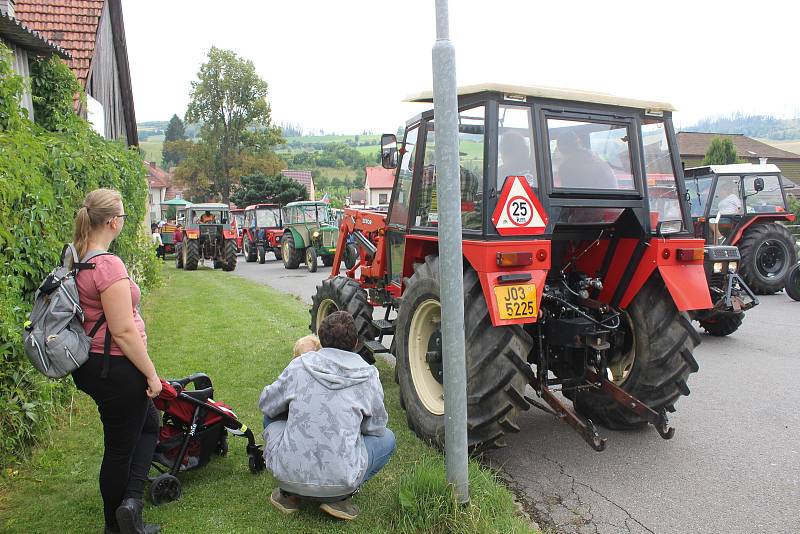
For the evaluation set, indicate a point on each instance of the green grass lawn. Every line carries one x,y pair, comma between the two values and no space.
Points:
241,335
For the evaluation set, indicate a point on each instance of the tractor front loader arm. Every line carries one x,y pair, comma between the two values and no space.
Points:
368,229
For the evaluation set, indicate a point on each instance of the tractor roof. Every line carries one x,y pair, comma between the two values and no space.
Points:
255,206
556,93
735,168
209,206
306,203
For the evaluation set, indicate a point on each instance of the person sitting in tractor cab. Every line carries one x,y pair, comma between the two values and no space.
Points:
515,160
207,218
325,423
728,193
581,168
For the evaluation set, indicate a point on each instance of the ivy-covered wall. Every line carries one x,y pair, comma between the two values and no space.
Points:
46,169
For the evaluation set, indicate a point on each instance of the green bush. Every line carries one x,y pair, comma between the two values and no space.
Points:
46,169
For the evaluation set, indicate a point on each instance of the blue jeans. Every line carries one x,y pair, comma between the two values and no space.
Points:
379,449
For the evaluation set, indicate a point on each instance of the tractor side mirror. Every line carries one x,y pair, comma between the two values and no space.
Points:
389,151
758,184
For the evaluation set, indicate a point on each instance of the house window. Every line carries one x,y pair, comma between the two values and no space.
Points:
383,198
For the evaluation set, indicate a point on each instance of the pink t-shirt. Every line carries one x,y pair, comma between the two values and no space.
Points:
91,282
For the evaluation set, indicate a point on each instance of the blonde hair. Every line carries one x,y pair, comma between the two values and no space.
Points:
98,207
306,344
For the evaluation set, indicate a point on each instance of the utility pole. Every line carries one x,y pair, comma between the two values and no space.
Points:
451,276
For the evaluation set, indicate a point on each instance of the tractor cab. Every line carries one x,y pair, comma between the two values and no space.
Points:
263,228
310,231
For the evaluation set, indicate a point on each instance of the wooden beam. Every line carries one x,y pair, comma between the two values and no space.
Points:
121,54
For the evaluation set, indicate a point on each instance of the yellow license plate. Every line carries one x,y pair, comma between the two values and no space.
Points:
516,302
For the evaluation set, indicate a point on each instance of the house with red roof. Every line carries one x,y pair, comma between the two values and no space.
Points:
92,32
302,177
378,186
158,181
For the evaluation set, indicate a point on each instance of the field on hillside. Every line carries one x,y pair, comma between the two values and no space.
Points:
791,146
152,150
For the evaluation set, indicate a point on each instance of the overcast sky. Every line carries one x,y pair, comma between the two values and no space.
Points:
344,66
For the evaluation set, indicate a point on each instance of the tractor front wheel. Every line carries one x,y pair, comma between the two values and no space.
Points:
179,256
191,255
327,259
291,256
343,293
654,363
722,323
261,253
277,252
311,259
249,250
495,362
793,282
229,260
768,252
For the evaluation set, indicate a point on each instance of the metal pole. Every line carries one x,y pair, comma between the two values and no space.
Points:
448,188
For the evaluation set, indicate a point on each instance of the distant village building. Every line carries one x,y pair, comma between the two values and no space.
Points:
694,145
304,178
378,185
357,198
158,180
93,33
25,44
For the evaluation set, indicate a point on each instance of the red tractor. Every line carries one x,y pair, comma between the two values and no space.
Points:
238,220
576,279
262,231
744,206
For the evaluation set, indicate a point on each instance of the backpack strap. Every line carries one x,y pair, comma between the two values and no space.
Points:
84,264
106,344
69,260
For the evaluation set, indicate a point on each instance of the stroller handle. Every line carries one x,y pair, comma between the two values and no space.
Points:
199,380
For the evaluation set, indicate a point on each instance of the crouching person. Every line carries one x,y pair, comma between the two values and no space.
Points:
326,424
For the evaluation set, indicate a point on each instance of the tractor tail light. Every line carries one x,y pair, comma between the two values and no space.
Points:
690,254
514,259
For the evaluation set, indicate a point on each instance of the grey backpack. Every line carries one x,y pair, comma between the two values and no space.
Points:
55,340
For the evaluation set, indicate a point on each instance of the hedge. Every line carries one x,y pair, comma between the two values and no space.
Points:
46,169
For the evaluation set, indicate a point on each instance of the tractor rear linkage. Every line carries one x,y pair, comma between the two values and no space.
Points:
592,380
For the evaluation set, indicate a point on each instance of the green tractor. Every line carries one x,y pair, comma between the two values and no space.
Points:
309,232
207,235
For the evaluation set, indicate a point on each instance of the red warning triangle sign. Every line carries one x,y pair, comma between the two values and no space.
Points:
518,210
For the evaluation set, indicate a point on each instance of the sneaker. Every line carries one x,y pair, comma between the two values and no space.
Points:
287,504
340,509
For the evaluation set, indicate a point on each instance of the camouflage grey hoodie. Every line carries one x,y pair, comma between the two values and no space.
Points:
332,397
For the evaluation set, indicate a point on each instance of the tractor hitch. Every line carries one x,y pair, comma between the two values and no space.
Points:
558,409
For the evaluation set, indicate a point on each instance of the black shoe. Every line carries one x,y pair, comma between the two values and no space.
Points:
129,517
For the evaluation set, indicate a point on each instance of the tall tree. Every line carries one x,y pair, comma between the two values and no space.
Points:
174,152
230,100
258,187
175,130
720,152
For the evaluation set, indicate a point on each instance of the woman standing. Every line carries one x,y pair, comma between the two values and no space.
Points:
119,375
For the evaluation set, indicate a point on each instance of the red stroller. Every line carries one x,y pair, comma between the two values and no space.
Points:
193,427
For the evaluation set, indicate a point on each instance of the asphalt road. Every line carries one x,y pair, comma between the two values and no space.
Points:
733,465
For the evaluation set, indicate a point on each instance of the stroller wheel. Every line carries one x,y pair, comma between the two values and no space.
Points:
164,488
256,464
222,446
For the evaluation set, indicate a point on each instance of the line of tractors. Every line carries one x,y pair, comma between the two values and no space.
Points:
587,253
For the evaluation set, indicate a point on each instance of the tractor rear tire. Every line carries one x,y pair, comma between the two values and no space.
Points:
229,262
262,255
327,260
249,250
291,256
768,252
311,260
723,323
191,255
793,282
663,340
495,360
179,256
343,293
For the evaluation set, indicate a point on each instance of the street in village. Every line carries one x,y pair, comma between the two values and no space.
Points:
733,465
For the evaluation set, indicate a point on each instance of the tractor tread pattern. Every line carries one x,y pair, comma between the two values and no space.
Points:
748,246
192,255
229,258
295,256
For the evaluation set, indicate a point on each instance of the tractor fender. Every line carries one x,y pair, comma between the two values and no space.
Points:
759,219
299,242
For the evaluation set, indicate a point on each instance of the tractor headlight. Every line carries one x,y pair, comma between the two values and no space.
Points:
315,234
732,267
718,267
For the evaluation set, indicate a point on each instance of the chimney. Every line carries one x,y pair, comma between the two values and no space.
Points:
7,8
762,161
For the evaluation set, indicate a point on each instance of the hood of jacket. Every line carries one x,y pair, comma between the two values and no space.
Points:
337,369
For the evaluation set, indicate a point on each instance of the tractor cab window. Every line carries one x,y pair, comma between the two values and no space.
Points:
209,216
662,186
768,200
698,189
405,175
268,217
471,134
515,155
727,196
590,155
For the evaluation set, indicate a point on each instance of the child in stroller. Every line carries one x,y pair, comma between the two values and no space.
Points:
193,427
